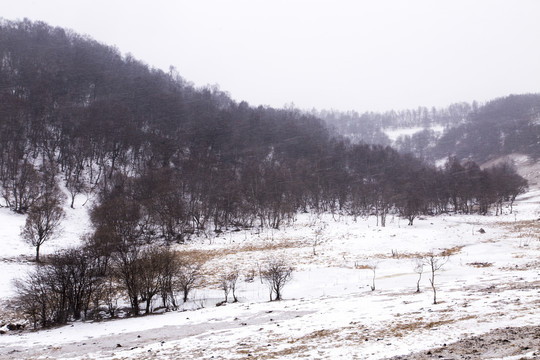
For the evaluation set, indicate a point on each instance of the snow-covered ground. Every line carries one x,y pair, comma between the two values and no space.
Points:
394,133
490,281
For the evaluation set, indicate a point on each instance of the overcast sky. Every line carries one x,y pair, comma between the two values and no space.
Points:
341,54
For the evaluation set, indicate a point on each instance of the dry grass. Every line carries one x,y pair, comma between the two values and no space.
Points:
480,264
299,351
403,328
418,255
318,334
452,251
216,262
533,265
395,255
354,334
528,229
203,256
363,267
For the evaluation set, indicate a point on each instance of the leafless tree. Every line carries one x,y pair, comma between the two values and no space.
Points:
373,268
170,265
21,188
318,237
127,268
75,185
224,285
435,262
189,276
43,221
34,299
233,280
109,293
419,269
151,270
228,283
276,273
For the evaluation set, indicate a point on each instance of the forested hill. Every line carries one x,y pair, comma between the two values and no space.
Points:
169,159
500,127
468,131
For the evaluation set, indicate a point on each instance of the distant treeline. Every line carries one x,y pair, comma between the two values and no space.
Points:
370,127
500,127
470,131
171,159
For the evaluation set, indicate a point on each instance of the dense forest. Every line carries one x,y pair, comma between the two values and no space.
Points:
165,160
500,127
191,159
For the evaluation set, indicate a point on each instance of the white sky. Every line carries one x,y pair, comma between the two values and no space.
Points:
342,54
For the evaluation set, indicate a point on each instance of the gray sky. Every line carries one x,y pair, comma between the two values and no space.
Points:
342,54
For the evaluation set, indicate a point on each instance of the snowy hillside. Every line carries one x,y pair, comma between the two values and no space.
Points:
490,281
394,133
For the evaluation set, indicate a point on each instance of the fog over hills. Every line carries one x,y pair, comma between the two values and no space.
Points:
126,191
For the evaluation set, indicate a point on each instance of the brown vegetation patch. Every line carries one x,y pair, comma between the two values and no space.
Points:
396,255
229,257
452,251
523,267
318,334
298,351
480,264
205,255
528,229
363,266
418,255
522,225
400,329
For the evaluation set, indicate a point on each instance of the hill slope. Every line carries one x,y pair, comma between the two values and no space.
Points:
477,132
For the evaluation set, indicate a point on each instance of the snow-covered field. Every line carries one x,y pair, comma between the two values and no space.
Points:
490,281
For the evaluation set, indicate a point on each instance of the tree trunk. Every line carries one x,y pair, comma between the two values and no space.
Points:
432,281
148,301
37,253
135,306
186,293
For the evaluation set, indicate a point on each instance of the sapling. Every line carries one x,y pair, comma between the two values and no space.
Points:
419,269
435,263
373,268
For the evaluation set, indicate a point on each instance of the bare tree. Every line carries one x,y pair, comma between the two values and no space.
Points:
169,270
75,185
109,293
43,221
189,276
224,285
233,279
34,298
318,237
21,188
435,263
127,268
373,268
228,284
276,274
150,273
419,269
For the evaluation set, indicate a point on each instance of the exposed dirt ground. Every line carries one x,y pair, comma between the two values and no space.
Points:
514,342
